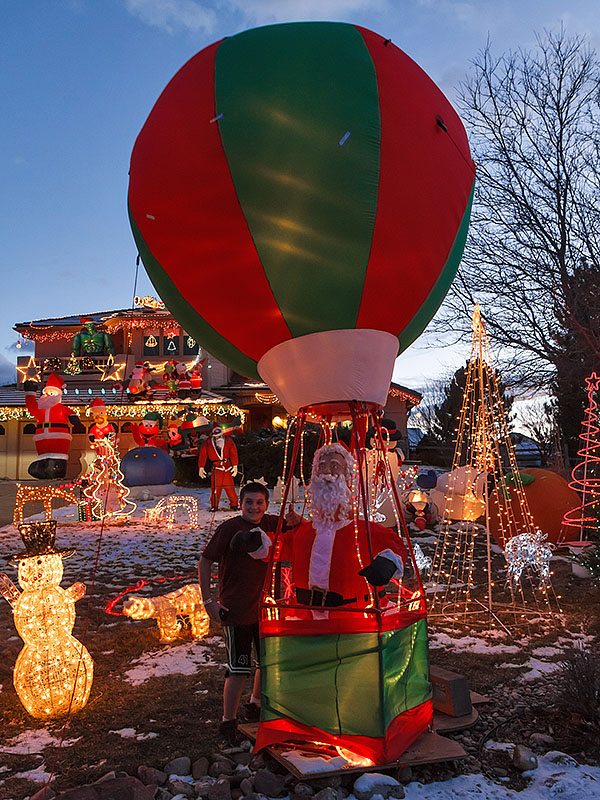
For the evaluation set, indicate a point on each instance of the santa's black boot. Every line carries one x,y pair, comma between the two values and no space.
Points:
37,469
56,468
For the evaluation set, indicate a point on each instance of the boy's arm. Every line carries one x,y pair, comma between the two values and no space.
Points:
213,607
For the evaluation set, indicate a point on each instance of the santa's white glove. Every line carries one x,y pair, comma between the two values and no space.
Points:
202,472
234,470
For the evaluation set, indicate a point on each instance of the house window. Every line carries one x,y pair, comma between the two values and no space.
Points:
2,431
29,428
151,343
170,346
126,427
190,345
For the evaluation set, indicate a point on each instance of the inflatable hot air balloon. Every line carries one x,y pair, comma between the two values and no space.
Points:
300,197
318,173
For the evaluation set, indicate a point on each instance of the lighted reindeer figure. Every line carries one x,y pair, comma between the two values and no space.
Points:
34,494
168,608
54,671
528,550
166,510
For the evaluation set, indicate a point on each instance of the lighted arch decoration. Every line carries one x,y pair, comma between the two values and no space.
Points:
319,171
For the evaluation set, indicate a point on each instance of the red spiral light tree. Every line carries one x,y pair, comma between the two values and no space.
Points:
585,477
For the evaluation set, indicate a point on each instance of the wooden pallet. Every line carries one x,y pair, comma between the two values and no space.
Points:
430,748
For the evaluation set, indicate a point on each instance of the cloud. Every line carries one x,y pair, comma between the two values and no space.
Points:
266,11
27,347
8,371
173,15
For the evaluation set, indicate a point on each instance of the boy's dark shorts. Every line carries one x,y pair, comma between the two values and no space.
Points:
238,641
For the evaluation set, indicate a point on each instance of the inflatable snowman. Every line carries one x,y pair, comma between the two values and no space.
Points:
54,671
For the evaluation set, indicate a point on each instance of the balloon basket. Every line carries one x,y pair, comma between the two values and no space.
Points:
323,667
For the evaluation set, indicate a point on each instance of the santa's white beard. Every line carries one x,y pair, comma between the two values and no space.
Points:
48,400
331,498
219,441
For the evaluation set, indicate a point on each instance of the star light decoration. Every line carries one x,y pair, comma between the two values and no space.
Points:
31,372
112,370
528,550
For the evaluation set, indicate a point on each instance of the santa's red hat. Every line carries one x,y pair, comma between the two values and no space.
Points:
54,382
97,404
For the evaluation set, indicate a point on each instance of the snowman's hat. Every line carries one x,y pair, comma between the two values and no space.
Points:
38,538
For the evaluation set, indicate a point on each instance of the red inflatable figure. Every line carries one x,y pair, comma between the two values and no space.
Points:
222,453
53,433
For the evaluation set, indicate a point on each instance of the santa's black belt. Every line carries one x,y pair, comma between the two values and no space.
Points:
315,597
44,425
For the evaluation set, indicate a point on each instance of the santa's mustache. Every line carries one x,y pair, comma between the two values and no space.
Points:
48,400
330,494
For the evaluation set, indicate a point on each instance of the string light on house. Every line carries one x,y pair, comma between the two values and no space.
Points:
54,671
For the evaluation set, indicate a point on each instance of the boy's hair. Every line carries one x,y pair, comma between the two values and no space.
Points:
254,487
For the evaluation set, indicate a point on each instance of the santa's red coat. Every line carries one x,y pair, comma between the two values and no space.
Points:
221,460
52,435
331,562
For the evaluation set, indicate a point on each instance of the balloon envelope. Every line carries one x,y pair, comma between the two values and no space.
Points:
300,178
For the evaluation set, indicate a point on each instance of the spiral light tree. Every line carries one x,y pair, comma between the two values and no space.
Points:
582,521
54,671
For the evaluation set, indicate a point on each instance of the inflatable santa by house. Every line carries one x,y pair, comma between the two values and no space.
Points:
222,454
52,436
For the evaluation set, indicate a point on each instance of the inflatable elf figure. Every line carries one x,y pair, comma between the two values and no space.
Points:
147,433
52,436
222,454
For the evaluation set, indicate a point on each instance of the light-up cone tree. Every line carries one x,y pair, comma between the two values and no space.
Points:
476,490
107,494
582,521
54,671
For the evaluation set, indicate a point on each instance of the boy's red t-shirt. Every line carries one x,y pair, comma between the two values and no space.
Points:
241,577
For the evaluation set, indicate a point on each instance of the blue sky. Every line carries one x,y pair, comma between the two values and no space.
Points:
79,78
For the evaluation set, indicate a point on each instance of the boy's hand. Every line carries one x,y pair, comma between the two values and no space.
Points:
215,610
246,541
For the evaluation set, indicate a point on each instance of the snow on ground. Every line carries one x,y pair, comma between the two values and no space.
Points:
131,733
34,742
472,643
557,776
183,659
37,775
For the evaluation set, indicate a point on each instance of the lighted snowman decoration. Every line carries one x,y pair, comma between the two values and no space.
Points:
54,671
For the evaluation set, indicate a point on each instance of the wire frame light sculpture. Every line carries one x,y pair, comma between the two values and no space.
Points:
582,521
166,510
53,673
461,574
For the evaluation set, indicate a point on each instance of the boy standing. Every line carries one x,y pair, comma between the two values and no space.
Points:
241,579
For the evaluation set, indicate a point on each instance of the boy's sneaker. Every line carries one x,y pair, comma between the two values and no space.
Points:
251,712
228,731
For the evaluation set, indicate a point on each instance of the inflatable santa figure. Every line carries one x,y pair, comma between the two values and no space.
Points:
222,453
102,430
332,563
184,383
53,433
